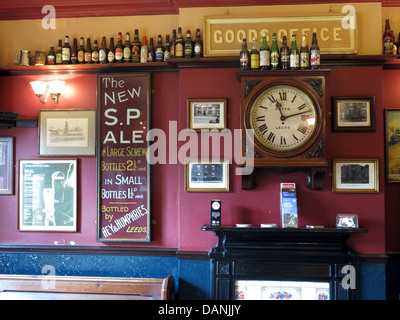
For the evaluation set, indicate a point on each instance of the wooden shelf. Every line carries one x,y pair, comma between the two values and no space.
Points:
174,64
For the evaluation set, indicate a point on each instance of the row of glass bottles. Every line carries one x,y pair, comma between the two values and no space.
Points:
135,51
275,58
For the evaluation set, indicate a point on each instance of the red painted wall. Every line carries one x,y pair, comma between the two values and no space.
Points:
178,215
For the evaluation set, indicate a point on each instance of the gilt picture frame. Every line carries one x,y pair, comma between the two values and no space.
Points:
207,114
355,175
392,145
207,176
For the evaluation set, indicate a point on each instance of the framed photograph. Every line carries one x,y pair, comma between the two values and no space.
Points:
207,114
392,145
345,220
353,114
6,165
47,195
207,176
67,133
355,175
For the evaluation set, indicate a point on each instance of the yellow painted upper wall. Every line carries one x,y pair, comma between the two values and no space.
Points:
29,34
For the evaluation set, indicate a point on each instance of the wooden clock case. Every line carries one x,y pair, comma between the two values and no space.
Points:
309,158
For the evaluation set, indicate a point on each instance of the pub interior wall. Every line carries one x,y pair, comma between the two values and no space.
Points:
177,215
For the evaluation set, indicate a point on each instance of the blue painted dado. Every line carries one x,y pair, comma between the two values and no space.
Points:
192,277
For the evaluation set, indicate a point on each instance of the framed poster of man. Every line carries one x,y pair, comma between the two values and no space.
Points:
47,195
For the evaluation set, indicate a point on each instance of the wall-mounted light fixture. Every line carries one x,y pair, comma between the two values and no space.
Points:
51,89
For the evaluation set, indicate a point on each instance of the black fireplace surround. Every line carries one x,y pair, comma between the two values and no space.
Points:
287,254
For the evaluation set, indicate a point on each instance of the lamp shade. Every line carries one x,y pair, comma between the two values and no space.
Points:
56,86
39,87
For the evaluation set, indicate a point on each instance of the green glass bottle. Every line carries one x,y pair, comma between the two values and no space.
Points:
274,53
294,54
265,54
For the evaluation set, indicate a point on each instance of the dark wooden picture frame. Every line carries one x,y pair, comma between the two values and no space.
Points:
353,114
48,195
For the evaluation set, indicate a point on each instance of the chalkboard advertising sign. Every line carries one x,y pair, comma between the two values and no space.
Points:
123,209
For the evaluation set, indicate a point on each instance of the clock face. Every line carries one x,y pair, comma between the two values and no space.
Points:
284,118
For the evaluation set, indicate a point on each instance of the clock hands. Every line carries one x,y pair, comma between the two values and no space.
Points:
283,118
279,107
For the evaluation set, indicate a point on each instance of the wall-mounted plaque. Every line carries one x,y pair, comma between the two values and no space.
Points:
123,210
335,33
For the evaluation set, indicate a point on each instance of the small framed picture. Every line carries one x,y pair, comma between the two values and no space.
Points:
207,114
48,195
207,176
67,133
345,220
353,114
392,144
355,175
6,165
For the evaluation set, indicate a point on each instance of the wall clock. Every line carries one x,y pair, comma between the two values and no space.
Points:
286,111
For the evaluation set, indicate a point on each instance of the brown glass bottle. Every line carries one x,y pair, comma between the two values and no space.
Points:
119,48
66,51
388,39
88,52
103,51
284,54
198,45
74,52
159,50
315,57
167,48
179,45
150,51
81,52
244,56
173,40
95,52
136,46
111,52
188,46
127,49
59,52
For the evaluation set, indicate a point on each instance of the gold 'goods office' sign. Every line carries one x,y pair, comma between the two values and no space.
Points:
336,34
123,177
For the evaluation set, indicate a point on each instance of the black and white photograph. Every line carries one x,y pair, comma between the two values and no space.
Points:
353,114
47,195
207,114
67,132
355,175
206,176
